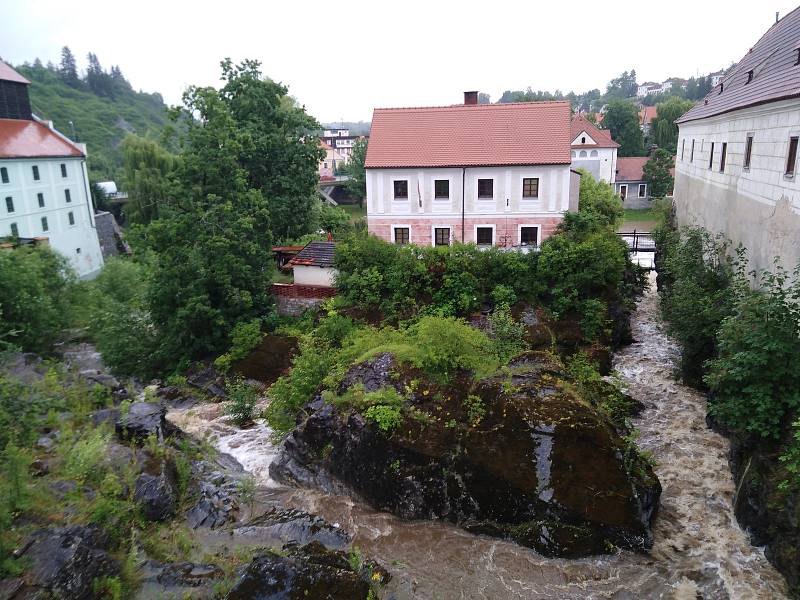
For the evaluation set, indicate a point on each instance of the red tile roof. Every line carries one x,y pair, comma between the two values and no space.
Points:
9,74
524,133
647,114
30,139
601,136
629,168
775,76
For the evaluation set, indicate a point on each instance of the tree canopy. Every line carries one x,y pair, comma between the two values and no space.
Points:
147,171
357,184
622,119
664,131
657,173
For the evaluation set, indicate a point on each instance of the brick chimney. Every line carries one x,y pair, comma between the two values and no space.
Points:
470,97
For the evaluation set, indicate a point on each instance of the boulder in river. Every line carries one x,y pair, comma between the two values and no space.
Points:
143,419
519,455
310,571
65,562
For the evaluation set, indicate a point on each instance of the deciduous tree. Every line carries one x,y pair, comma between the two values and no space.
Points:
622,119
148,168
657,173
665,131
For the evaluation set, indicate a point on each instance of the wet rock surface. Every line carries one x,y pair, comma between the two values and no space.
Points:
216,506
284,525
156,496
178,580
541,466
64,563
309,571
142,420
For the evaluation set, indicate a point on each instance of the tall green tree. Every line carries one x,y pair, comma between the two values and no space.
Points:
213,238
357,184
622,119
68,69
663,127
624,86
147,168
657,173
281,156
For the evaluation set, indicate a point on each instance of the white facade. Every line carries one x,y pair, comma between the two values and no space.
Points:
756,205
57,206
421,213
600,162
310,275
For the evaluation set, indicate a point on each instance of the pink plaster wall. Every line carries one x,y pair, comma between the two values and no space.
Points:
506,229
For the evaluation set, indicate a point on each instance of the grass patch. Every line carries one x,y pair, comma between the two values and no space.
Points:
355,211
639,215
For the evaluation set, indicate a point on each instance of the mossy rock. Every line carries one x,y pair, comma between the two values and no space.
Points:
539,465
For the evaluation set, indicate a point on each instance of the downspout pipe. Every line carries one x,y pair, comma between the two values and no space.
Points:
463,205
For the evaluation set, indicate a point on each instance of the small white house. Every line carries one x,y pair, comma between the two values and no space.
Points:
313,265
44,185
593,149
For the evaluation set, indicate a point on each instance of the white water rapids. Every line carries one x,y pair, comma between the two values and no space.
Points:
699,551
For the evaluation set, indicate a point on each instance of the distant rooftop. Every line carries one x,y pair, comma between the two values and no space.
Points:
21,138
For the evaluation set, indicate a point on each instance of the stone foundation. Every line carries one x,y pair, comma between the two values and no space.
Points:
293,300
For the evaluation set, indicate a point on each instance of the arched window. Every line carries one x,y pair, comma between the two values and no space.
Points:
593,154
582,154
573,154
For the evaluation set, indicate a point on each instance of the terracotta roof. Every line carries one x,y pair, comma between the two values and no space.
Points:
325,145
775,75
524,133
315,254
9,74
30,139
601,136
629,168
647,114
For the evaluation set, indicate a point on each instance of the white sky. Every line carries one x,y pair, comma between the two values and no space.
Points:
342,58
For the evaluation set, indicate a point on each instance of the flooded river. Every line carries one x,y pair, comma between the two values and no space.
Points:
699,551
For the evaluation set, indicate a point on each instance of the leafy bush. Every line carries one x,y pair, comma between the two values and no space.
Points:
246,336
791,460
756,376
32,308
84,460
696,294
507,335
243,398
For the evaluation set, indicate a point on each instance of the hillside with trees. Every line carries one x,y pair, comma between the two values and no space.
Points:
98,107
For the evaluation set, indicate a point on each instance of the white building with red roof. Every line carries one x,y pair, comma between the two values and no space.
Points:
593,149
491,174
44,186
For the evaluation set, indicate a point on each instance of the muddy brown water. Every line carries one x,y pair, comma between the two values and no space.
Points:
699,550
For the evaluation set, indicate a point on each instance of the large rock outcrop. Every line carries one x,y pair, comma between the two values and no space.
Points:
309,571
518,455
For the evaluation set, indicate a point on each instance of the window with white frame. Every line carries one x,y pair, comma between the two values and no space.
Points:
71,218
441,236
14,230
400,189
642,190
485,189
530,187
484,235
40,199
35,170
63,170
441,189
45,226
401,235
9,204
4,174
529,235
67,196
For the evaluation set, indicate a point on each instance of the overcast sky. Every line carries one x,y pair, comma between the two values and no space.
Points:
343,58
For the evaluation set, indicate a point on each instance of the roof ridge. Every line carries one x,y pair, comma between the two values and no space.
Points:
472,106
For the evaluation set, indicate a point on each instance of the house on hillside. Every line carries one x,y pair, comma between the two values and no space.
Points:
332,159
492,174
593,149
44,185
646,116
736,167
341,141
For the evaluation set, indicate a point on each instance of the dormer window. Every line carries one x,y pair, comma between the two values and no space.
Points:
721,87
749,76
